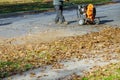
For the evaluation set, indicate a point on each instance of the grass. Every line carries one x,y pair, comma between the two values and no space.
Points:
109,72
9,6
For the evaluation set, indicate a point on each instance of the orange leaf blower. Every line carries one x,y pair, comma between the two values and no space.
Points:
86,14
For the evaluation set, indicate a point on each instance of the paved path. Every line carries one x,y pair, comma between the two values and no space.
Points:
116,0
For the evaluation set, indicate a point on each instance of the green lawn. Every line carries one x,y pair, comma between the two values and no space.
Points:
9,6
109,72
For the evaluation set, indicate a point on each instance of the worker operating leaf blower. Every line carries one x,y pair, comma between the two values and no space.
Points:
86,14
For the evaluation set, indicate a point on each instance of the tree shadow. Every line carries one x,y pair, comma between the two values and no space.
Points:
3,24
101,17
105,21
102,21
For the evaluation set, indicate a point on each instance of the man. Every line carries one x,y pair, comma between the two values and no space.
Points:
58,4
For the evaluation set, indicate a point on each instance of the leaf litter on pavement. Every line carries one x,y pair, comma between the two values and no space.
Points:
16,58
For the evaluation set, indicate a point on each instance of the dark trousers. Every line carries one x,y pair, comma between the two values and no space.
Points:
59,13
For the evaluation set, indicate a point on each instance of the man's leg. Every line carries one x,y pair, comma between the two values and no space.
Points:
62,19
59,16
57,13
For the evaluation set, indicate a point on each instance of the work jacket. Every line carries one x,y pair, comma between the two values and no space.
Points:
58,2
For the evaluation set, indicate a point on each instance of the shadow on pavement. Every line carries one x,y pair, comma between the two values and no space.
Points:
105,21
70,22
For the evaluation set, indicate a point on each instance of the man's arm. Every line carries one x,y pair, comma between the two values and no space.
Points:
66,0
47,1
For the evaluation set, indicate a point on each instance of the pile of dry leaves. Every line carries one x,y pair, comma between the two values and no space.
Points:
21,57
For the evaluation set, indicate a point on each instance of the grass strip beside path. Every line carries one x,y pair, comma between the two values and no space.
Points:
38,5
109,72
